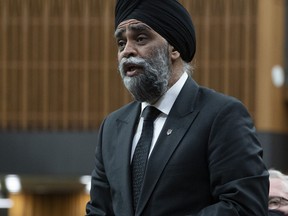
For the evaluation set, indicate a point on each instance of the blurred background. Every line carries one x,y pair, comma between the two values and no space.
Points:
59,79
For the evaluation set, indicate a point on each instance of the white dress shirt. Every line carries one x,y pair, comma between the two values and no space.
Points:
164,104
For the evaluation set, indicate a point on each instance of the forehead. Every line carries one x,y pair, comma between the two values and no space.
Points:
129,22
278,188
132,25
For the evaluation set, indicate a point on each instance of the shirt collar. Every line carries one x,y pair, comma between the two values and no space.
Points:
165,103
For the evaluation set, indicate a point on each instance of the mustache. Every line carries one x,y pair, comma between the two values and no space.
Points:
137,61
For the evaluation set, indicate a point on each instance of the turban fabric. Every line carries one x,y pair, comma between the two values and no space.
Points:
167,17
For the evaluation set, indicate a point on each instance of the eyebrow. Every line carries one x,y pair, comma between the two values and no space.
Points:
132,27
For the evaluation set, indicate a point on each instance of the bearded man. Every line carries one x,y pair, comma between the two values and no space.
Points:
178,148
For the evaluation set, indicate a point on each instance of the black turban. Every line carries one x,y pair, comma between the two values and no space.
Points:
167,17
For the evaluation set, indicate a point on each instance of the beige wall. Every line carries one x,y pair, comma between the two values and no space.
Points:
271,106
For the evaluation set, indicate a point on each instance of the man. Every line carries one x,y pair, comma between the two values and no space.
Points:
204,158
278,194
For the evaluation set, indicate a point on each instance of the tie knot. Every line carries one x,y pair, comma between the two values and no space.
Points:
150,113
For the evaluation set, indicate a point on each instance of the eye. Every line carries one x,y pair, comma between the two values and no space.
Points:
141,38
121,44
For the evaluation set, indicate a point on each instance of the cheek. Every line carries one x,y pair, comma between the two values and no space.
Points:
284,209
119,56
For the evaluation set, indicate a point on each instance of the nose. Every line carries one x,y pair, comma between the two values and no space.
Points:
129,50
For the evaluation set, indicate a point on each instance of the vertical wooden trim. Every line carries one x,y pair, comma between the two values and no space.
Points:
206,45
246,58
44,67
263,117
227,27
3,67
24,113
65,86
106,56
85,94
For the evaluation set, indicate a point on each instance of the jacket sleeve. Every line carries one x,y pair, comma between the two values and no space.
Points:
100,203
239,178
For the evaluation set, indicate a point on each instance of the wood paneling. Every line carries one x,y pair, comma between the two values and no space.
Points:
48,204
57,64
226,41
58,68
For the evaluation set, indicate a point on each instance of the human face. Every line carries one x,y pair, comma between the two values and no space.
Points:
144,62
279,188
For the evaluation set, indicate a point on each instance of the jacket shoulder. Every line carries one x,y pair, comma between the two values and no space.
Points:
213,98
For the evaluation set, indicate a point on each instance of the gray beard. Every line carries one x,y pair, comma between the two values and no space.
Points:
150,85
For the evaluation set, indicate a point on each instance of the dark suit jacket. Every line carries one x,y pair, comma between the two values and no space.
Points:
210,165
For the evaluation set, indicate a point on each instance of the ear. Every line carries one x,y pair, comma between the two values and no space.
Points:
174,54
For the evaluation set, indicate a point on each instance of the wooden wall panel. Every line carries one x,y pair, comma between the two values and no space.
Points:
271,106
58,65
48,204
225,56
58,68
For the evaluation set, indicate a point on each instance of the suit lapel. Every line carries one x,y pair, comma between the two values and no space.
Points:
125,128
178,121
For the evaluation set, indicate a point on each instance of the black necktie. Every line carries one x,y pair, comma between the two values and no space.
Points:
141,153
